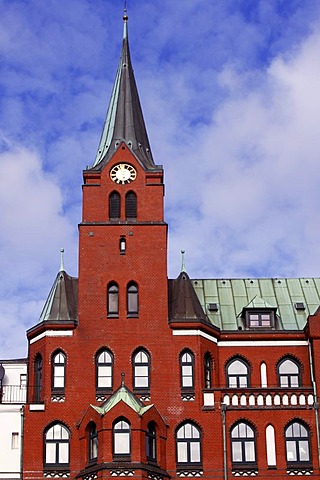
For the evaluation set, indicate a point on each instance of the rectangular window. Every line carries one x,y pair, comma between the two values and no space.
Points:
15,440
23,380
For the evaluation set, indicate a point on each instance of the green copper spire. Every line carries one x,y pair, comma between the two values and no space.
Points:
124,121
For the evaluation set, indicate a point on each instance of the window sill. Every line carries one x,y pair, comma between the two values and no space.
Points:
132,315
113,315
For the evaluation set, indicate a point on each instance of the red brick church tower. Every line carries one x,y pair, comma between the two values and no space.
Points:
134,375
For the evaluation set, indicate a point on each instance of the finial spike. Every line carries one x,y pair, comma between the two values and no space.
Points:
61,259
183,265
122,379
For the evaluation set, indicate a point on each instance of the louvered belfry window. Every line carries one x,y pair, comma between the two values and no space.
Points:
114,205
131,205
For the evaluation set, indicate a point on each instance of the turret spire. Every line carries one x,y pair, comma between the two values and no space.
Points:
124,121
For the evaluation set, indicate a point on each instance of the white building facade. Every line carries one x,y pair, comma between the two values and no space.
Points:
12,399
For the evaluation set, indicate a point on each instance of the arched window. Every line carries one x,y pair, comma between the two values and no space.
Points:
114,205
57,440
121,438
141,370
297,443
187,370
132,299
289,373
38,378
243,444
104,368
131,205
188,438
93,442
58,371
113,299
207,363
151,445
238,374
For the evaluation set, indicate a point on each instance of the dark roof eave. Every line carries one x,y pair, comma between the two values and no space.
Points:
52,325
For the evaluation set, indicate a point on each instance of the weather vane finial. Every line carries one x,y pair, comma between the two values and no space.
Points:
183,265
61,259
125,16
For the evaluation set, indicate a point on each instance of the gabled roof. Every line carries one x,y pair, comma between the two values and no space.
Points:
123,394
62,301
257,303
184,304
124,121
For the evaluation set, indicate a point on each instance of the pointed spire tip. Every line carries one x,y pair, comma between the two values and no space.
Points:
183,266
61,259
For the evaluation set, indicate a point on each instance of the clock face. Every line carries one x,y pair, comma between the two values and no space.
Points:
123,173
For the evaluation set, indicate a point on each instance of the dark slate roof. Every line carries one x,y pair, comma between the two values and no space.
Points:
124,121
184,304
62,301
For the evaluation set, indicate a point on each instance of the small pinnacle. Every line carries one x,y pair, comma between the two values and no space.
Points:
183,266
122,379
125,16
61,259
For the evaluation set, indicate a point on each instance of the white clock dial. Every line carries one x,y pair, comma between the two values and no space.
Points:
123,173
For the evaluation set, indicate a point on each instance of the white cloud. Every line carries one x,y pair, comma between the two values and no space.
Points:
33,229
257,189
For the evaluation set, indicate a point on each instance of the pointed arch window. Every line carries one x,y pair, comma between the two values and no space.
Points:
151,442
131,205
57,440
141,370
93,442
243,445
113,299
289,373
58,371
297,444
188,438
207,363
104,371
121,438
187,370
114,206
238,374
38,378
132,299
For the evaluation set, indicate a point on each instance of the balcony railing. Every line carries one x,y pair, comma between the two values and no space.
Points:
13,394
259,398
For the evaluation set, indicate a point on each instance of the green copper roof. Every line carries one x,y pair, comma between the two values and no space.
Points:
124,121
62,301
124,395
232,295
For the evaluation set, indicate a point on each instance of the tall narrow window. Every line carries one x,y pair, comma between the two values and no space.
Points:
243,445
57,446
271,446
188,440
207,371
289,374
238,374
151,446
121,438
141,370
104,367
297,444
187,370
114,206
93,443
132,299
38,378
58,371
131,205
113,299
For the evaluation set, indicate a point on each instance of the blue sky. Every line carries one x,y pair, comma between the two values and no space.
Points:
230,94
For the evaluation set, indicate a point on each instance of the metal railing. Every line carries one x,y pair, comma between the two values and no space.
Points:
13,394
